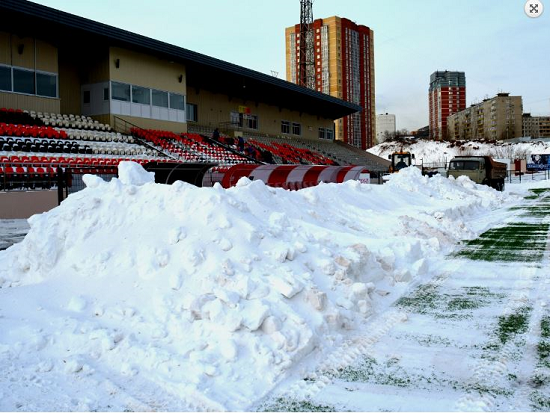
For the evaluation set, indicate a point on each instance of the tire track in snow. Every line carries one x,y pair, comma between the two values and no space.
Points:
533,338
345,355
488,371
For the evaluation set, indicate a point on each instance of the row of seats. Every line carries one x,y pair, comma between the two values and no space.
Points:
214,153
17,116
69,121
88,135
188,147
339,152
292,154
34,132
31,177
44,177
43,146
8,129
68,160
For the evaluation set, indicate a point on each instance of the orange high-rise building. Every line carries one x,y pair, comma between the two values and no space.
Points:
447,95
343,67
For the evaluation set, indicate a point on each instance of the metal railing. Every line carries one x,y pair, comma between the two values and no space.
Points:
125,127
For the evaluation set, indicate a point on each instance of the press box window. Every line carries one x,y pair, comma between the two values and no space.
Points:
296,129
86,97
23,81
5,78
120,91
177,101
46,85
141,95
160,98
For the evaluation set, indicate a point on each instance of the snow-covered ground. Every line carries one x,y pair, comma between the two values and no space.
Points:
438,152
12,231
137,296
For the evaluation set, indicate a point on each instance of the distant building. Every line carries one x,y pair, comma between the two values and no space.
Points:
385,126
498,118
343,68
536,126
423,132
544,126
447,96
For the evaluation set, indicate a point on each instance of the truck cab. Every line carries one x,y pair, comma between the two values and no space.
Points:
400,160
480,169
473,168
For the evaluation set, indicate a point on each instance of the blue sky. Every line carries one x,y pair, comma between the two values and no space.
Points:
493,41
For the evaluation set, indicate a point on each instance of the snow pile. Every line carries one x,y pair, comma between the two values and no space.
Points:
139,296
430,152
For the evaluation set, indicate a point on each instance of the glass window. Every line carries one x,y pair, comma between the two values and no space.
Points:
251,121
106,93
296,129
192,114
86,97
141,95
322,133
160,98
464,165
285,126
236,119
46,85
23,81
5,78
120,91
330,134
177,101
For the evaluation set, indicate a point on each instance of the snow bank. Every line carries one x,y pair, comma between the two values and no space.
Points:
204,298
429,151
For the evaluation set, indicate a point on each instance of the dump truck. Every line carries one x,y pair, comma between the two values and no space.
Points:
480,169
399,160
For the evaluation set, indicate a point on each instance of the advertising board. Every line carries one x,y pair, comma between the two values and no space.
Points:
538,162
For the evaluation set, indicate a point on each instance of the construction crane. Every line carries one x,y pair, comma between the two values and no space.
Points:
307,54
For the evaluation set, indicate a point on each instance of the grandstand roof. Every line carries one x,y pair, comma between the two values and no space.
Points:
203,72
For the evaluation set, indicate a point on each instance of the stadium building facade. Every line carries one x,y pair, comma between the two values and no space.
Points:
56,62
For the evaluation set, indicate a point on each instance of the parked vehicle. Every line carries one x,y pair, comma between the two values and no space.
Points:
480,169
399,160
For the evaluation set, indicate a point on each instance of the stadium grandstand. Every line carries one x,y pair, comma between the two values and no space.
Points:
78,96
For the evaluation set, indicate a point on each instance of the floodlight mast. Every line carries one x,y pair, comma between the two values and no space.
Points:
306,62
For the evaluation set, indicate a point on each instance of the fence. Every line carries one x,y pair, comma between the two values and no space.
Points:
70,180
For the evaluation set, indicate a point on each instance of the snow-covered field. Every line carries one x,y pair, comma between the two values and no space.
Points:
137,296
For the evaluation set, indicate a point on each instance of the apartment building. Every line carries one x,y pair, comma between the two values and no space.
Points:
385,126
447,95
536,126
343,67
497,118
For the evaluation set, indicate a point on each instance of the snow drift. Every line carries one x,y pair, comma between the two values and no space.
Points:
133,295
430,151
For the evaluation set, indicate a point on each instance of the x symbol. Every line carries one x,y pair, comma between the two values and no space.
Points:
533,8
